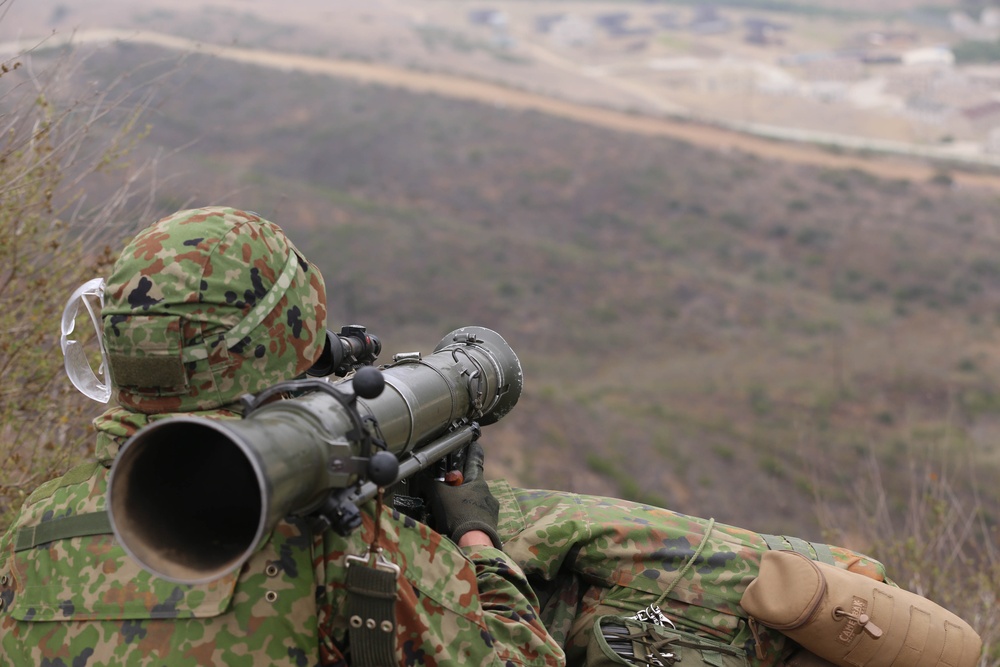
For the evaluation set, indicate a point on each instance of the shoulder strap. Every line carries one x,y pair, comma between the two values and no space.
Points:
811,550
74,525
371,612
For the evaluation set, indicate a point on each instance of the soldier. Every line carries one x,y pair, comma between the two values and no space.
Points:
695,591
620,583
202,307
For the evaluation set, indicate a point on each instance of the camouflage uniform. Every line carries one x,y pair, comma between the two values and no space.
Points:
202,307
588,556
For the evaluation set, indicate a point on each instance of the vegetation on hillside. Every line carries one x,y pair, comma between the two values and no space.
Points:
942,546
976,51
64,188
844,10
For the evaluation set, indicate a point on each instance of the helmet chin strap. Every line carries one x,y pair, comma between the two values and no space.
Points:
81,373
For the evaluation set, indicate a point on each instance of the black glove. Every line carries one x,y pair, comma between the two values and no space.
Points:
458,509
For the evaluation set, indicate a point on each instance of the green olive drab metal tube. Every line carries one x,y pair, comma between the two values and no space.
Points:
191,498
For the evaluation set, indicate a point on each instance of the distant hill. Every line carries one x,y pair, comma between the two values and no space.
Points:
721,334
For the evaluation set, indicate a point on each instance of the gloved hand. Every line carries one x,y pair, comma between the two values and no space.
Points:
470,506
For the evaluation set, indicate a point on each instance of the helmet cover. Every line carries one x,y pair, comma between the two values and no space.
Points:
206,305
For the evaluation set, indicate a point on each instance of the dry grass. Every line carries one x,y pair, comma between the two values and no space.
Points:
945,546
66,189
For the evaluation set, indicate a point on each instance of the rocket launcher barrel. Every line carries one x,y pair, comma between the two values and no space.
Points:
192,498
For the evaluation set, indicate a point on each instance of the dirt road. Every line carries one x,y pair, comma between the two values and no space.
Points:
478,91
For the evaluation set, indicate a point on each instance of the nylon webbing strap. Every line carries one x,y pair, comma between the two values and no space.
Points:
776,543
74,525
801,546
371,615
823,553
811,550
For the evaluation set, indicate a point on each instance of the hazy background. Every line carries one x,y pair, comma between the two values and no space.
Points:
769,332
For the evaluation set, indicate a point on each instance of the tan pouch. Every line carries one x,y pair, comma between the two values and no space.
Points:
854,621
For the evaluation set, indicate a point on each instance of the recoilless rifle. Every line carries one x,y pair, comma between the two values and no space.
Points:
192,498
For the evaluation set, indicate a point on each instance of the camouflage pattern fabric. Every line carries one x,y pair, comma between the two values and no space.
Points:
202,307
116,425
441,618
82,601
588,556
206,305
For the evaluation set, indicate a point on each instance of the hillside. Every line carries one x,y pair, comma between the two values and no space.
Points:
719,333
840,72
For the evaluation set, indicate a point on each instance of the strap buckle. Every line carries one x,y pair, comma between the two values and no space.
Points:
653,614
373,559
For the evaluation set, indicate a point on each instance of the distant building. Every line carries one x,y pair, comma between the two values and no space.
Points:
985,76
986,28
708,21
667,20
933,55
835,69
881,59
992,143
984,112
980,120
611,19
764,32
705,13
490,17
884,37
544,23
571,30
804,59
753,23
679,64
615,24
711,27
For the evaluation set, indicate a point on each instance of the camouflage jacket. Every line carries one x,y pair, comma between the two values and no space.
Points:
588,556
80,600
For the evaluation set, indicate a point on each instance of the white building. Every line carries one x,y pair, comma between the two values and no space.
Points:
571,30
931,55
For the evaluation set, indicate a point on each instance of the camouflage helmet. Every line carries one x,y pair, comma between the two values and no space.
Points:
206,305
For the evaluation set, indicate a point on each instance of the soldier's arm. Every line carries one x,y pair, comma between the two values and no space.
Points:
468,515
510,608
